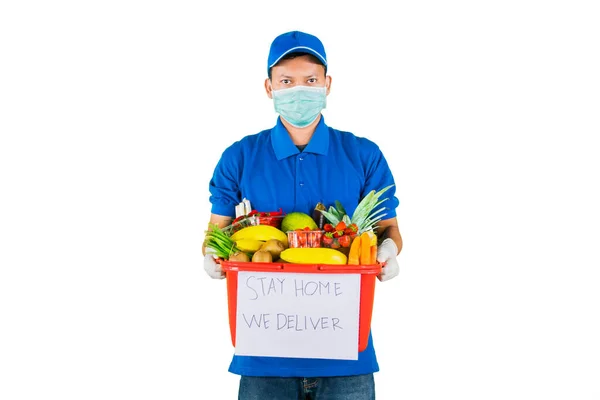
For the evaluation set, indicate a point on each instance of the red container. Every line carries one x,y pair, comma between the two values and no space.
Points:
367,287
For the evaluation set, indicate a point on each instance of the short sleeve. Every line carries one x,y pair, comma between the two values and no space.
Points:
378,176
224,186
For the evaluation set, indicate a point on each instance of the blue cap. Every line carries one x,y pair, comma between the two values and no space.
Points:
295,42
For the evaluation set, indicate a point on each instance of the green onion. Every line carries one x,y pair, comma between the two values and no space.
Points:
218,241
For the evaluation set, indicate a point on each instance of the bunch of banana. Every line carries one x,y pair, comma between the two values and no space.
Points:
318,255
249,245
250,236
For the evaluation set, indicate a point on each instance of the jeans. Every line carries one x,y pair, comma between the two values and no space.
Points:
358,387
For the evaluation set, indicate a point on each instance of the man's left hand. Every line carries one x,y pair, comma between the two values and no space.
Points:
387,252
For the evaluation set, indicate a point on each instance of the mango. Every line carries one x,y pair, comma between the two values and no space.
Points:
298,220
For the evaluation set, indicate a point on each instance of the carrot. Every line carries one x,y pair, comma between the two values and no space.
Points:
354,255
374,254
365,249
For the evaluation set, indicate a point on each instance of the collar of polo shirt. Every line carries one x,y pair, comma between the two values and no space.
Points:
284,147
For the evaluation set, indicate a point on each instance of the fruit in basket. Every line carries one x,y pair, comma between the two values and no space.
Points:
273,246
354,254
260,232
272,218
345,241
365,216
365,249
298,220
340,236
265,214
341,228
239,256
317,255
249,245
327,240
262,256
304,238
374,253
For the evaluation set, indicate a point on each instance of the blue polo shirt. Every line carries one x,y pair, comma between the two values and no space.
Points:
269,170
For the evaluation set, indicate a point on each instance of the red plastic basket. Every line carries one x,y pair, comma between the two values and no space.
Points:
367,287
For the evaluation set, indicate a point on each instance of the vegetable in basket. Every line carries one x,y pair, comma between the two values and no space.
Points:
218,241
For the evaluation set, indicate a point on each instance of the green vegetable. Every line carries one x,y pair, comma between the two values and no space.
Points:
218,241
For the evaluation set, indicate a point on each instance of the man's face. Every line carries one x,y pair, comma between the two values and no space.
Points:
297,71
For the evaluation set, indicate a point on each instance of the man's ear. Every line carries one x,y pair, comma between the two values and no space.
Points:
328,84
269,88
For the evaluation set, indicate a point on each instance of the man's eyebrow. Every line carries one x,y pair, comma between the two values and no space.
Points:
290,77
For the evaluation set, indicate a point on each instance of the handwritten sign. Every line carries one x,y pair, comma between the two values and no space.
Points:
298,315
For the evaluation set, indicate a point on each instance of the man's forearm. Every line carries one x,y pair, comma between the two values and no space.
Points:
392,232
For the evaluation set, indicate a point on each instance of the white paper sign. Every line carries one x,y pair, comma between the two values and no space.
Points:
281,314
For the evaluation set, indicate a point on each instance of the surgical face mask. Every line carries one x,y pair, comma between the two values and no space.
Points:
300,105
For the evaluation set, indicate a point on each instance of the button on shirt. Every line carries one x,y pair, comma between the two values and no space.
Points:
269,170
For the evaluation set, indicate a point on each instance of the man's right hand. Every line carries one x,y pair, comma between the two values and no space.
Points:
211,267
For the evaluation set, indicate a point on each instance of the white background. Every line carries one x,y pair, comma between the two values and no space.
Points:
113,115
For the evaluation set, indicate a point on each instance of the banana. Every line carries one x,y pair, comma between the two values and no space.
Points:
260,232
313,255
249,245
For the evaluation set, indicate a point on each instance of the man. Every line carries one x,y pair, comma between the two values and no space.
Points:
296,164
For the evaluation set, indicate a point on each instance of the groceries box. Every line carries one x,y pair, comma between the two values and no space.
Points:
301,330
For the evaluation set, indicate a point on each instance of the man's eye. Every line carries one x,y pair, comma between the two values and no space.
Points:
286,81
312,80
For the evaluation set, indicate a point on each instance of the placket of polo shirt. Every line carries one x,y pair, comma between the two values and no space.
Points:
300,177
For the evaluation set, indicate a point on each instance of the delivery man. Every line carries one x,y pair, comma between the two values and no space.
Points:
294,165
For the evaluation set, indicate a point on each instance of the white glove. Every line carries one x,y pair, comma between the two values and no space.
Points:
211,267
386,253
